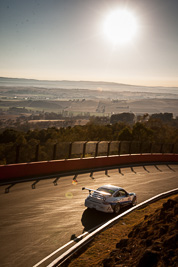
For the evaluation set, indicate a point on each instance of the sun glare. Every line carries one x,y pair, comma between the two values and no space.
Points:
120,26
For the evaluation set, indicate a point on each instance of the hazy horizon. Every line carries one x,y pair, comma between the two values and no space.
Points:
100,86
85,81
67,40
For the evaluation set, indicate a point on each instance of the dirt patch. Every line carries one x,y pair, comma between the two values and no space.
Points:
145,238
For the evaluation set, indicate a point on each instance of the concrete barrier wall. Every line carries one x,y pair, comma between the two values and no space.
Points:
35,169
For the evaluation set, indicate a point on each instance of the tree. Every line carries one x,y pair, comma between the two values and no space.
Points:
8,136
141,133
20,140
125,134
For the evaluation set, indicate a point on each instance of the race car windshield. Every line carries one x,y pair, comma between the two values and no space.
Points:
107,190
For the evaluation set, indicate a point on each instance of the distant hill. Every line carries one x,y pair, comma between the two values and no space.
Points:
92,85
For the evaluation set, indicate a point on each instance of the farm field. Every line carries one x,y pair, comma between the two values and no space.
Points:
97,107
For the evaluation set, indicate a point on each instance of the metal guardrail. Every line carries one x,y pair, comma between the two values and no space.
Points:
69,253
19,173
11,153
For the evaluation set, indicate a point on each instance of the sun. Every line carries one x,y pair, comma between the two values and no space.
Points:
120,26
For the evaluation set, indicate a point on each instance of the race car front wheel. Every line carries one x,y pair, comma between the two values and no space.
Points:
134,202
117,208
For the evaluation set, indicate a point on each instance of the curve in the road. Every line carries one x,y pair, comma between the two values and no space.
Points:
35,222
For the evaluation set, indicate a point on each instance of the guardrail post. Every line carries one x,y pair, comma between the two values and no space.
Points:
151,145
54,151
37,152
17,154
119,148
172,149
130,145
108,151
161,148
96,150
141,145
70,150
84,149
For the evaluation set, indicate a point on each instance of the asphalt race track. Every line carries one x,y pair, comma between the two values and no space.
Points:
35,222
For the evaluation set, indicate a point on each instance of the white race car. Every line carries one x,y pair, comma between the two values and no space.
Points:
109,198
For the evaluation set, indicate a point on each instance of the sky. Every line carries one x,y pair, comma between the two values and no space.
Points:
66,40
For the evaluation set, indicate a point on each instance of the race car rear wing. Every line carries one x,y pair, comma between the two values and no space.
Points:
97,191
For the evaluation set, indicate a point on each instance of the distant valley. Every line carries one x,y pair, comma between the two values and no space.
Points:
94,98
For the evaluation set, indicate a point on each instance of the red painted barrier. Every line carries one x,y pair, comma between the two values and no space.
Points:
36,169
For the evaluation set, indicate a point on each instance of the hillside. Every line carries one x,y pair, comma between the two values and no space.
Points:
145,238
153,242
91,85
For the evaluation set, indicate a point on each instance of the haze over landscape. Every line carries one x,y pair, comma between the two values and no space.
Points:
88,57
91,98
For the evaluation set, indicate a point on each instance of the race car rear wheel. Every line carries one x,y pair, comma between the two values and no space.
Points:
117,208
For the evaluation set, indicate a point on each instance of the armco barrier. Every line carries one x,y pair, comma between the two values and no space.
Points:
39,169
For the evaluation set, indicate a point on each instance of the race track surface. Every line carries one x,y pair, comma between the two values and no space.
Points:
35,222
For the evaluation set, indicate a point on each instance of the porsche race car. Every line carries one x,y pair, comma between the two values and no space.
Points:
109,198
